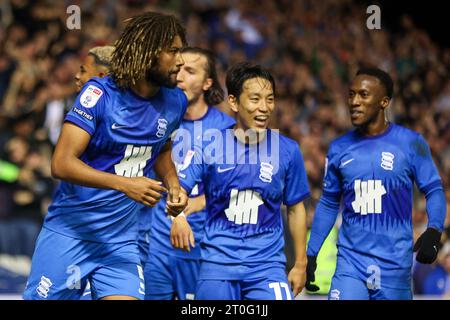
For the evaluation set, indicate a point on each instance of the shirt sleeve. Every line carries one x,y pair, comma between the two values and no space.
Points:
324,219
424,170
436,209
296,185
429,182
328,207
88,107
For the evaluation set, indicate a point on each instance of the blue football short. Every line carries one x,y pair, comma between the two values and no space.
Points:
359,277
273,286
62,266
168,277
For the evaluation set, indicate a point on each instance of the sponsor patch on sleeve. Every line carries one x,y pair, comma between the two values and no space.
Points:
90,96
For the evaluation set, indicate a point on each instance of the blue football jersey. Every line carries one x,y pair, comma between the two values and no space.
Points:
127,133
245,186
374,176
187,137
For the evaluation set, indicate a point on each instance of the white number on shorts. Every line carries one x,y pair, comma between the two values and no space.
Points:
276,286
141,278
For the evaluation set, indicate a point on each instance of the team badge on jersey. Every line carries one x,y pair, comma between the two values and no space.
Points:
162,128
90,96
387,161
266,172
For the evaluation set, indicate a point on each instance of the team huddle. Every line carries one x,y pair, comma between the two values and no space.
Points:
163,196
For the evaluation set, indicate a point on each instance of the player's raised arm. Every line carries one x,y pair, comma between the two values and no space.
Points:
67,166
297,227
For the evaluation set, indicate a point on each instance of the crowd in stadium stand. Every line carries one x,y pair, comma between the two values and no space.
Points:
312,47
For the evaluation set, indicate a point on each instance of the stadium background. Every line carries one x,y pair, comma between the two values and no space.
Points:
312,47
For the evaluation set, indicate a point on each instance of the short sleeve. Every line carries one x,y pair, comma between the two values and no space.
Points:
88,107
296,184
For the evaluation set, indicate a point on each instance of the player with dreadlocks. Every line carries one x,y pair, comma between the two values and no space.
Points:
117,130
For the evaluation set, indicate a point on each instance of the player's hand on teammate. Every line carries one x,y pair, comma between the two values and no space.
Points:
311,267
427,246
143,190
181,235
195,204
177,200
297,278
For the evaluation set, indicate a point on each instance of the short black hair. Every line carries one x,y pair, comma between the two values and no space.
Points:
239,73
381,75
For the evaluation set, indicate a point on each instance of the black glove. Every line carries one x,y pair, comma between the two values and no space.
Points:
311,266
428,245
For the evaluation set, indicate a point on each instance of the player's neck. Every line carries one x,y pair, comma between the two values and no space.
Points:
196,110
144,89
375,129
247,135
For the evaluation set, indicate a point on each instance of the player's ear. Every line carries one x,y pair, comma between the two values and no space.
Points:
207,84
385,102
233,102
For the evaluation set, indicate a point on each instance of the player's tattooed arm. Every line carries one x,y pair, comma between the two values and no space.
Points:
297,228
67,166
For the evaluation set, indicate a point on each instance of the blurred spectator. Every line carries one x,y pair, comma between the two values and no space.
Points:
438,281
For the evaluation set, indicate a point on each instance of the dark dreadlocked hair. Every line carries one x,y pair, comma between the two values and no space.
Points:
139,45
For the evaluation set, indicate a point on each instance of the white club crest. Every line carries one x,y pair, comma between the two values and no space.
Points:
387,161
266,172
162,128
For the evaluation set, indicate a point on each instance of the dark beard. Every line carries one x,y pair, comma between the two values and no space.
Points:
156,77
